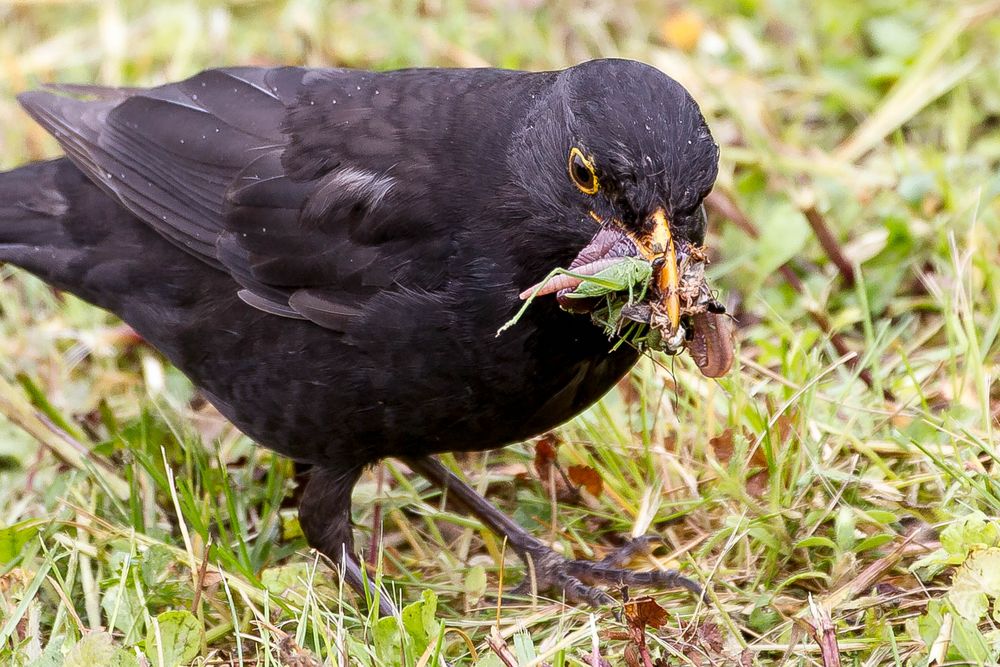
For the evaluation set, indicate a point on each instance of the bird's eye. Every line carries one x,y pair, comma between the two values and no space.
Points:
581,170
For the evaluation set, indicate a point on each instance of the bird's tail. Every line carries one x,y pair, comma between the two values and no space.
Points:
58,225
38,231
31,214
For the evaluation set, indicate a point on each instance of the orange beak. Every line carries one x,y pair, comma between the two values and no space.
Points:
659,245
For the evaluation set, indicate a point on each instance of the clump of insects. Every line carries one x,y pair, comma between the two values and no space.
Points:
619,294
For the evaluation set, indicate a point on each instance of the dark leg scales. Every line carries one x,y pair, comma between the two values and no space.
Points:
577,580
325,517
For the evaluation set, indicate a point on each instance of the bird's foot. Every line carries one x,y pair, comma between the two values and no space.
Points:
579,580
576,580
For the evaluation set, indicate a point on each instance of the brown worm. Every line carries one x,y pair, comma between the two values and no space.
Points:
562,281
711,345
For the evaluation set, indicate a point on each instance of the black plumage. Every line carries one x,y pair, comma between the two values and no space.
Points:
328,254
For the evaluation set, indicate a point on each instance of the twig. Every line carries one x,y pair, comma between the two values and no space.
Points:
202,573
806,200
500,648
824,633
376,541
869,576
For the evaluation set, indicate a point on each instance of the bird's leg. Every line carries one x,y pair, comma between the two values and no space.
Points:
576,579
325,517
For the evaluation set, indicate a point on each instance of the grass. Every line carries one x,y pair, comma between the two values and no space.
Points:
848,470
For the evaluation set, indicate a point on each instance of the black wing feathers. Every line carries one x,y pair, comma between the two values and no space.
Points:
169,154
318,191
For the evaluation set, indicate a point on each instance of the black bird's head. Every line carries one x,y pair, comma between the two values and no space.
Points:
635,145
616,158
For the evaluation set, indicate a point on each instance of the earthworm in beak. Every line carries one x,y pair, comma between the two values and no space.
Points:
608,246
711,345
565,282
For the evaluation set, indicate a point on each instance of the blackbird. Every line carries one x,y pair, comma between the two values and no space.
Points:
328,255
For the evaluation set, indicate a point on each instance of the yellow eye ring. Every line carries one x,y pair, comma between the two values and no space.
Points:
581,171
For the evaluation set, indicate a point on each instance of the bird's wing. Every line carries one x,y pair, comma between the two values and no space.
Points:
312,207
170,153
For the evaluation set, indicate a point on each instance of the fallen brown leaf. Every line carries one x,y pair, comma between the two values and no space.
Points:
645,612
545,454
588,478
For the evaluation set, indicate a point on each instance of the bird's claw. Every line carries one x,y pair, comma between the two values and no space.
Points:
636,546
577,581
